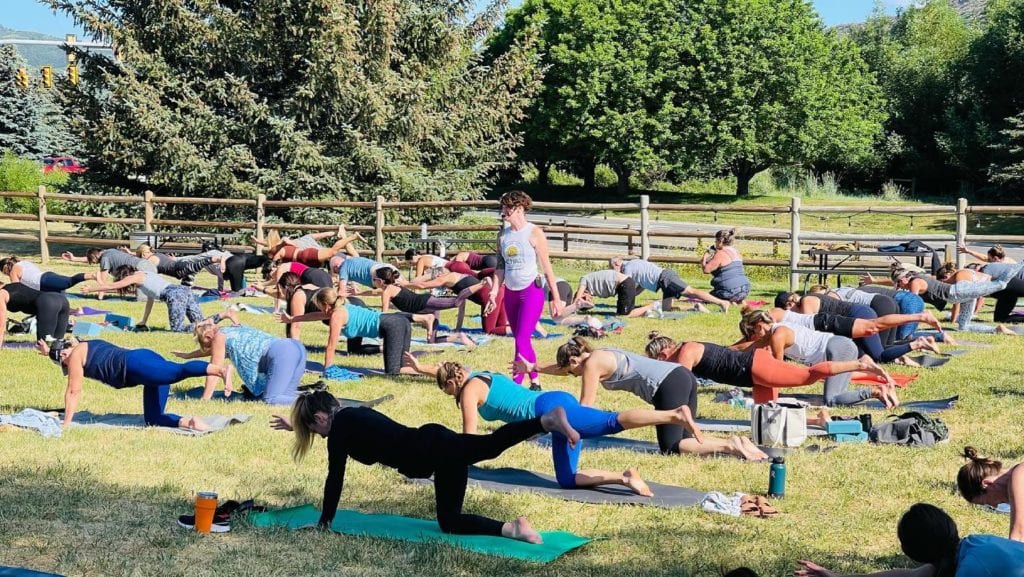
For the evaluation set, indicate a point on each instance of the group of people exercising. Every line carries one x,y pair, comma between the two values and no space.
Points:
833,336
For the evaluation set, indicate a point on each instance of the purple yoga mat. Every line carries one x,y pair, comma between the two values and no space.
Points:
19,345
88,312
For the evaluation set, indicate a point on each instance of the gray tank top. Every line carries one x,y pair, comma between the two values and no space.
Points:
30,274
853,295
636,374
936,288
601,283
808,345
798,319
153,286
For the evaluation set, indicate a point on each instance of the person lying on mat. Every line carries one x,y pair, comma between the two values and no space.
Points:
756,369
928,535
808,347
662,384
985,481
495,397
123,368
30,275
271,368
370,437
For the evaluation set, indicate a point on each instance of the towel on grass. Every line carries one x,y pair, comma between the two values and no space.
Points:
47,425
715,502
556,543
131,421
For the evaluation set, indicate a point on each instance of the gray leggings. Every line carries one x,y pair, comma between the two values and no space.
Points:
837,386
284,364
396,336
181,303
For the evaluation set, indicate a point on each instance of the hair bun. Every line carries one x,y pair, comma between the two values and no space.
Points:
971,453
653,335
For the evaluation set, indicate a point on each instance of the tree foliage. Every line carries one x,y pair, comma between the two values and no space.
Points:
19,107
1007,170
318,99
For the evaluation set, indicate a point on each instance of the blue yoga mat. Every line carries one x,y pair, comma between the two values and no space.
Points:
19,572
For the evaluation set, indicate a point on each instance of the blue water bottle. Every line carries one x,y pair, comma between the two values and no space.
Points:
777,478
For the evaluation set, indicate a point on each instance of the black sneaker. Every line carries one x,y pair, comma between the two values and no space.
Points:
221,522
535,387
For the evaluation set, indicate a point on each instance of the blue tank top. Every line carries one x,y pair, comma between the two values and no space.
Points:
362,322
506,401
731,277
106,363
245,346
989,556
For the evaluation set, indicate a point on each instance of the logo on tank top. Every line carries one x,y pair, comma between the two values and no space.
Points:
512,251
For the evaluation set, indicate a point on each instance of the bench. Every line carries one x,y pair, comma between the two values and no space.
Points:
837,263
439,245
176,242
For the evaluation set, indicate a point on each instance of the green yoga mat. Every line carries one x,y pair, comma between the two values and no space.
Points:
556,543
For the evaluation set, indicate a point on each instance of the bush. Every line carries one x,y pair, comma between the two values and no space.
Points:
605,177
25,175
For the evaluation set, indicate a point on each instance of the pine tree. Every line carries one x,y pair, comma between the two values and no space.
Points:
1007,172
310,99
19,112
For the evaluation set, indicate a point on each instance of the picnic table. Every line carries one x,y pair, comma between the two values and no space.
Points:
176,242
439,245
828,262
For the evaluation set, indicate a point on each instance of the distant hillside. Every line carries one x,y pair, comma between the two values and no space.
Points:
37,56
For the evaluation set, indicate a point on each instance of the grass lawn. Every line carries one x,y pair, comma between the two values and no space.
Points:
104,502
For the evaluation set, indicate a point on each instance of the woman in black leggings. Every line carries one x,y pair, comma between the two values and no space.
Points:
234,269
370,438
662,384
51,310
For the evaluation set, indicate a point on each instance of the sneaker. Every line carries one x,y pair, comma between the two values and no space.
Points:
221,522
535,387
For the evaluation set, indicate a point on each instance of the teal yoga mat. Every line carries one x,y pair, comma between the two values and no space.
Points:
556,543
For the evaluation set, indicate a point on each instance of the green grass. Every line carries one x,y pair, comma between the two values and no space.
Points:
103,502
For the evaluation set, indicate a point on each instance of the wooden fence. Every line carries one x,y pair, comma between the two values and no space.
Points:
634,237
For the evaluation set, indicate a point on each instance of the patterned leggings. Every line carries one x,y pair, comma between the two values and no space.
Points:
181,303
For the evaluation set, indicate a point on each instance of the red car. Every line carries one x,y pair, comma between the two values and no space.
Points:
62,163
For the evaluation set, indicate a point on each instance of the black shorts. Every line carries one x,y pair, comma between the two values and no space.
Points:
564,292
671,285
625,297
835,324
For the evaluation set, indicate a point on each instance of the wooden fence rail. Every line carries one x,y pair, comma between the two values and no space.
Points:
252,216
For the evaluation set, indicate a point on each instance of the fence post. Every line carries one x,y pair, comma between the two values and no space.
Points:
961,229
645,227
378,231
261,218
794,243
565,235
147,215
44,249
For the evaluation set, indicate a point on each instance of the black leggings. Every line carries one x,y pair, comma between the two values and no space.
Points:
870,345
52,311
238,264
396,336
1006,299
625,297
449,454
679,388
885,305
51,282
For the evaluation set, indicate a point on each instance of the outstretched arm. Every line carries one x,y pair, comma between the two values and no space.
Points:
1017,503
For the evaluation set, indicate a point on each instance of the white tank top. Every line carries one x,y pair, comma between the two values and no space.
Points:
798,319
30,274
808,345
519,255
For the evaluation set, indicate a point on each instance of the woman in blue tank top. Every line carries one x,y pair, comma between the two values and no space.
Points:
123,368
928,535
496,397
725,265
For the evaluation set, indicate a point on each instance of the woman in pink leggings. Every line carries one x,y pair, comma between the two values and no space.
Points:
521,246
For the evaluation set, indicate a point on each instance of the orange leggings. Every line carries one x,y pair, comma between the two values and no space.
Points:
770,374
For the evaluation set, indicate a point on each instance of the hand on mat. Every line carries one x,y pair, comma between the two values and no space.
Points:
280,423
521,366
141,328
182,354
809,569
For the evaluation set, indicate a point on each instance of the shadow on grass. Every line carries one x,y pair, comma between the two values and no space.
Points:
1006,391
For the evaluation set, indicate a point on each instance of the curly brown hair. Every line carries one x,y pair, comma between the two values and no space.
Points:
514,198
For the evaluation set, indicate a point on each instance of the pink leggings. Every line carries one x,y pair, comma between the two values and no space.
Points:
524,308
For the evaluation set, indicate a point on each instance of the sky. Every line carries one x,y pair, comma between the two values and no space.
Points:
32,16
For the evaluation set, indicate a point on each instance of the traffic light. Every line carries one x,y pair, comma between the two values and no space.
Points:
73,74
47,76
21,78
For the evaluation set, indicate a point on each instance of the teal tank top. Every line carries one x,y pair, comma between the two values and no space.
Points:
506,401
988,556
362,322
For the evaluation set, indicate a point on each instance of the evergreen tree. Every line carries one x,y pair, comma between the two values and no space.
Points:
1007,173
312,99
19,107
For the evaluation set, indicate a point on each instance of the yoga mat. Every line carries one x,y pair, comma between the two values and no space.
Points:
901,380
742,426
107,297
556,543
930,361
1002,509
478,339
13,345
536,335
255,309
197,393
126,421
510,480
926,406
87,312
651,448
19,572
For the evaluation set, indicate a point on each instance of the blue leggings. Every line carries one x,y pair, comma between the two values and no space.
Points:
909,304
872,345
286,363
156,374
52,282
587,421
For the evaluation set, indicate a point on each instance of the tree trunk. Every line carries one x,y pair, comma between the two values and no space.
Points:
743,183
622,187
543,171
744,171
588,167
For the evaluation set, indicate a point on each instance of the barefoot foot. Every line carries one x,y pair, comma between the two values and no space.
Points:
194,423
748,449
469,343
556,421
520,530
631,479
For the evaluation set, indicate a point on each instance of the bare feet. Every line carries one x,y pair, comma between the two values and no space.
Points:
194,423
868,364
886,394
747,449
556,421
1004,330
820,419
947,339
469,343
520,530
907,361
631,478
226,373
725,306
924,344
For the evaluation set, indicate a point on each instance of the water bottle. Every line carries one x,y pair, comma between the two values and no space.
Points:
777,478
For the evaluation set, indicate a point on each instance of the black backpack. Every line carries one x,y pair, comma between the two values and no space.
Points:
911,429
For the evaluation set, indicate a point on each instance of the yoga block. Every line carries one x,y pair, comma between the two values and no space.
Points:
845,427
120,321
87,329
860,437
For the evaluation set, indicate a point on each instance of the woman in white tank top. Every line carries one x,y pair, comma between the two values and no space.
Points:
521,246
